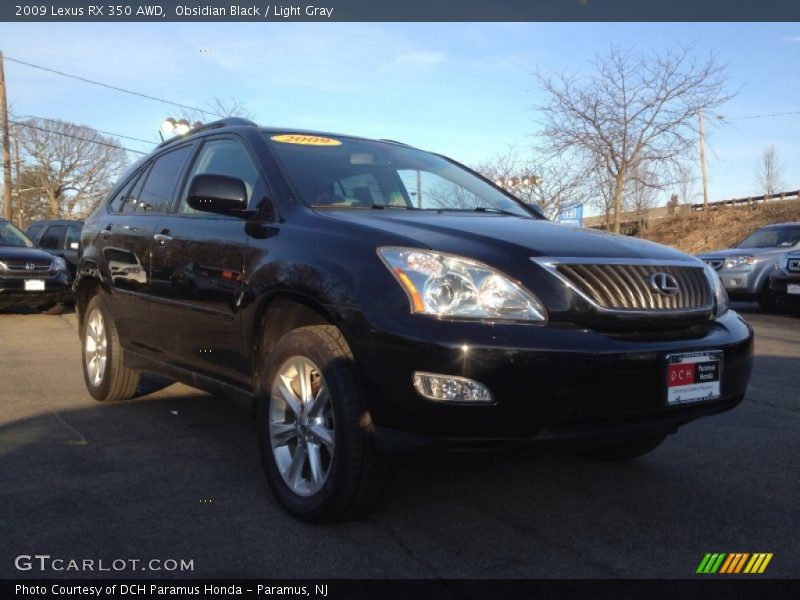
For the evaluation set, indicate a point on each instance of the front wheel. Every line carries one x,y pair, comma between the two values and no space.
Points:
315,436
106,377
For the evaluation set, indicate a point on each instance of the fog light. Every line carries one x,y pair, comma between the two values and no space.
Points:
449,388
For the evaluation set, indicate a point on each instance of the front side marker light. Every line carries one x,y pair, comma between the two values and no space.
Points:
450,388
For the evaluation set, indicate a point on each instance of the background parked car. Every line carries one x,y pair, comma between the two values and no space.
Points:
60,237
30,276
745,269
784,281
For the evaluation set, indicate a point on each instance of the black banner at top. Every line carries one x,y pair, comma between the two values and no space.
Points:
399,10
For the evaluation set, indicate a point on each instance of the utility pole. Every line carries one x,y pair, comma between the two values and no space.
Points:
6,150
18,181
703,164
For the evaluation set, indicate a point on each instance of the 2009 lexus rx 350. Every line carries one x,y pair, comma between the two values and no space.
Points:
366,297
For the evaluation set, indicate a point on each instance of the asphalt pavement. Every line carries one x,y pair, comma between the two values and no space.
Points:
175,474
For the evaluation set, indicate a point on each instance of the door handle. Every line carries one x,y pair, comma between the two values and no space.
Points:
106,231
162,239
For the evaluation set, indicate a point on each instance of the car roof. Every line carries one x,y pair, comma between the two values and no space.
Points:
235,123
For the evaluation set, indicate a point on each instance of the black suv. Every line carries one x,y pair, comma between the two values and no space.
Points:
366,297
29,276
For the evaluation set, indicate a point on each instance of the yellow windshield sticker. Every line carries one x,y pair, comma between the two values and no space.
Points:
306,140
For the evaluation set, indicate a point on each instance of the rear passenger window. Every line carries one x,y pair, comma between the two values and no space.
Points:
157,193
51,238
118,202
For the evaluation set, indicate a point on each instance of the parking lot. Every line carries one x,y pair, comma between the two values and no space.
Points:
176,475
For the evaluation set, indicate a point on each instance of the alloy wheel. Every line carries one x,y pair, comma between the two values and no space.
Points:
95,348
301,426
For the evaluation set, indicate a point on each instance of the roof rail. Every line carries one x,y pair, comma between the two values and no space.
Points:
394,142
226,122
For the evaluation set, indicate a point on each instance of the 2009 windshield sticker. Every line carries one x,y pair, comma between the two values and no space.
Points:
306,140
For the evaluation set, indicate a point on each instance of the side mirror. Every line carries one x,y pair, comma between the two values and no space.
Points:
218,194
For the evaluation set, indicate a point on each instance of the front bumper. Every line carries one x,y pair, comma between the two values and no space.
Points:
57,288
778,283
547,381
742,282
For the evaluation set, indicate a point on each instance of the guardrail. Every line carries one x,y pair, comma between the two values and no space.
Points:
749,201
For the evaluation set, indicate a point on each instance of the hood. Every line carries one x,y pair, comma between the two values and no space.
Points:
459,233
14,253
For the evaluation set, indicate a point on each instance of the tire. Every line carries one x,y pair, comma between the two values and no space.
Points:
627,450
334,428
52,309
110,381
769,301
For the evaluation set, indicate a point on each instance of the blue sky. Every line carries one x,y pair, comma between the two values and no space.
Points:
463,89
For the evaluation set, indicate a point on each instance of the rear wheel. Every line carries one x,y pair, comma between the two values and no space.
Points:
107,379
626,450
315,435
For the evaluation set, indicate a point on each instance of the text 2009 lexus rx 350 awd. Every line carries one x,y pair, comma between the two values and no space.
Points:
368,297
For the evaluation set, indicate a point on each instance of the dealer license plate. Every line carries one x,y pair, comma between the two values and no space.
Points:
34,285
793,288
693,377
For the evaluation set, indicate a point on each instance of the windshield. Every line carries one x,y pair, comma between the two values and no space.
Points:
775,237
357,174
11,236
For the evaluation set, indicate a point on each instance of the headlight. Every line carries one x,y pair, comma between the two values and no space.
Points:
740,260
451,286
720,295
58,264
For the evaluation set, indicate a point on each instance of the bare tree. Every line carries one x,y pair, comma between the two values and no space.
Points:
769,172
631,110
70,166
685,181
557,183
219,108
602,194
642,196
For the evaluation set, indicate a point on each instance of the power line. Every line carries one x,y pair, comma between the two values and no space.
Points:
113,87
119,135
75,137
766,116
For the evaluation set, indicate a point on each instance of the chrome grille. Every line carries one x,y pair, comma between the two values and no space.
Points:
715,263
793,265
17,268
628,287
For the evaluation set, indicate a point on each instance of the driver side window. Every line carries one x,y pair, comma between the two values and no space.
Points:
222,157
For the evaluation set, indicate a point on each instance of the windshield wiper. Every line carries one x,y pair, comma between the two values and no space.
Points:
493,209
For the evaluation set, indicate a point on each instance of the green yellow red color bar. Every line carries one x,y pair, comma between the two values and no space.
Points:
720,562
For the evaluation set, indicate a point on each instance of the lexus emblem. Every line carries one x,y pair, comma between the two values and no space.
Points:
665,283
30,266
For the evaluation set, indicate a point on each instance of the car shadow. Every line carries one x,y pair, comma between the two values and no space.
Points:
179,476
